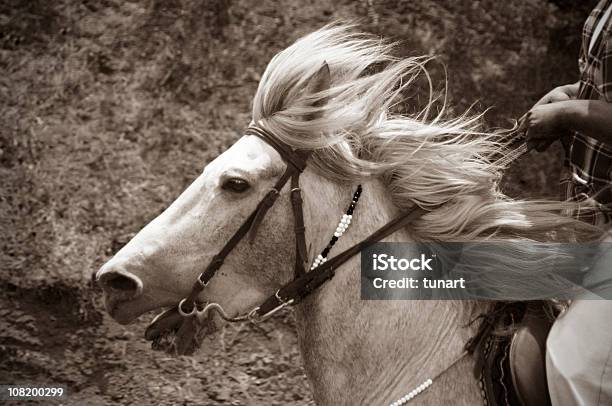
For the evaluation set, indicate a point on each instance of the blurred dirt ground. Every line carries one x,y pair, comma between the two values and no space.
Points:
110,108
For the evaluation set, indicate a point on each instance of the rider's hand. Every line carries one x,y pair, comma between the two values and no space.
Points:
544,124
557,94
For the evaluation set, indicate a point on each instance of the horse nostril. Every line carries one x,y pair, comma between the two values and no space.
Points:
121,282
120,285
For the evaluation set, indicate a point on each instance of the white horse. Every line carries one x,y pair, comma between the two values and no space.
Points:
332,93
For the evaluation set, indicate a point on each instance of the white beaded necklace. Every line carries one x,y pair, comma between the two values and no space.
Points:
412,394
422,387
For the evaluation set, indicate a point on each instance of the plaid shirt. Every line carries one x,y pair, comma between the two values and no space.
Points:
590,161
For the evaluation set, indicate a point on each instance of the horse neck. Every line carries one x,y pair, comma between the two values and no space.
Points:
374,352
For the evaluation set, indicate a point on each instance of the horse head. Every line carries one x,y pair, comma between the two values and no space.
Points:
158,266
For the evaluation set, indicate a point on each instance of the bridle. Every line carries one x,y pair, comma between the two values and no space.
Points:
304,283
296,163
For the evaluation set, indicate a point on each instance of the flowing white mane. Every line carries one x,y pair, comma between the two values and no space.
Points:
442,165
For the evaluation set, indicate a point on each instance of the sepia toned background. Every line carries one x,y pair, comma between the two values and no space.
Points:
110,108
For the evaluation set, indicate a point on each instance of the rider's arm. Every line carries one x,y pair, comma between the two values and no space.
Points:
545,122
571,90
590,117
560,93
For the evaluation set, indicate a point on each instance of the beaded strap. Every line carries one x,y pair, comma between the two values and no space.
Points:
413,393
345,221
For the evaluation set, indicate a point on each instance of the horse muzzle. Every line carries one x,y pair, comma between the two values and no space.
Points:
120,287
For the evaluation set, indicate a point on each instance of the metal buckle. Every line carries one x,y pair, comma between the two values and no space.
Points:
202,284
276,295
254,318
183,313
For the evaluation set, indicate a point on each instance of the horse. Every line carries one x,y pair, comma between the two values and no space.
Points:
324,117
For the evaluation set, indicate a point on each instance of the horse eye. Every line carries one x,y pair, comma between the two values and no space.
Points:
236,185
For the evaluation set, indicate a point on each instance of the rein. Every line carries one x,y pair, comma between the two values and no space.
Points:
304,283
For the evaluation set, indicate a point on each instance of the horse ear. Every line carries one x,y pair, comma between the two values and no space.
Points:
319,82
